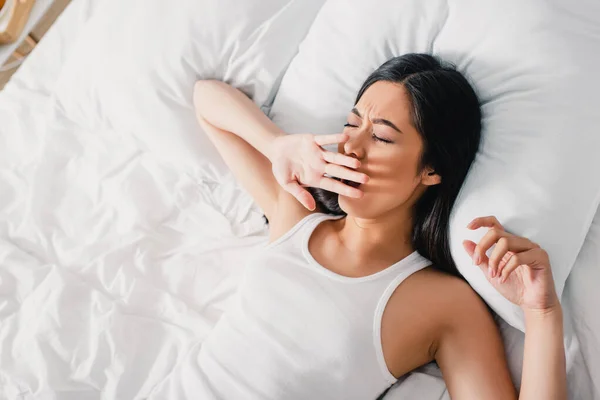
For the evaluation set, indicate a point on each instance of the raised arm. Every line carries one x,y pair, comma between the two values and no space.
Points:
468,351
244,137
228,109
271,165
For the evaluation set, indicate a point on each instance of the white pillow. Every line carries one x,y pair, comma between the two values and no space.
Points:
136,63
534,65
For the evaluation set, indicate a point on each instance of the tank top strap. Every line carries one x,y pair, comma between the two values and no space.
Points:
418,263
308,223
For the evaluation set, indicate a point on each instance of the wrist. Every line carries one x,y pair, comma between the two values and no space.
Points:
272,148
552,313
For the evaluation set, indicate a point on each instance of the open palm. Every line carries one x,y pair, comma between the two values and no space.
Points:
298,160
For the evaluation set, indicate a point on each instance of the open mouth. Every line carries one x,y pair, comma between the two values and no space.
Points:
350,183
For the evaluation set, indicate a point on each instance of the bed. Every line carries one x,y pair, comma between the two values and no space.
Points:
115,263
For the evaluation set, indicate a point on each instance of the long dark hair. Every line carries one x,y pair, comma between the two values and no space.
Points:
447,114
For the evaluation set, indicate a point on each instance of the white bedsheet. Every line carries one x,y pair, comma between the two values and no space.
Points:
582,300
113,264
110,264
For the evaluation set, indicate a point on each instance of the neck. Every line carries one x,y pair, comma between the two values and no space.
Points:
385,239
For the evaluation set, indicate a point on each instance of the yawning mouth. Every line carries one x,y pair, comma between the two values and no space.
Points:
351,183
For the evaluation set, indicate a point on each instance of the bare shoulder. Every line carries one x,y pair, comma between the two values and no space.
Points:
462,319
465,338
427,306
438,302
447,298
434,287
445,285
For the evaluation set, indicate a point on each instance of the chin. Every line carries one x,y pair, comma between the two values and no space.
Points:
359,208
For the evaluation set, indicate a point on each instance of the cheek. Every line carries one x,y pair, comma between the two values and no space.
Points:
399,186
394,172
378,199
394,179
392,184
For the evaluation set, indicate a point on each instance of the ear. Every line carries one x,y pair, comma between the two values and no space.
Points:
429,177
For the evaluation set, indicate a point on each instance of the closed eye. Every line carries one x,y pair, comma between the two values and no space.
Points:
378,139
373,136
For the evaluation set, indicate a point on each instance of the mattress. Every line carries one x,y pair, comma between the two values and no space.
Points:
114,264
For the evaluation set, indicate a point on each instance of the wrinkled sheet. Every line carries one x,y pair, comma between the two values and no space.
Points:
114,265
111,265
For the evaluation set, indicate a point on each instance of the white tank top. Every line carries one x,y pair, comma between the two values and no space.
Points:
299,331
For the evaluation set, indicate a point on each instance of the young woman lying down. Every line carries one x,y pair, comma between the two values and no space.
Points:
357,286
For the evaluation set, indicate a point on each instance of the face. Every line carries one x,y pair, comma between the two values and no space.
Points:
383,138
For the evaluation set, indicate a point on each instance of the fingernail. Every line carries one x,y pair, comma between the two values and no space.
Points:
477,258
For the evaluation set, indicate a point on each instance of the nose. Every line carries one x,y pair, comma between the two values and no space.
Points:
355,146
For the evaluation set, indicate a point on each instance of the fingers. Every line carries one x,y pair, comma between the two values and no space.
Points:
340,159
488,222
492,222
533,258
301,194
323,140
470,249
485,243
498,254
338,187
345,173
492,237
504,248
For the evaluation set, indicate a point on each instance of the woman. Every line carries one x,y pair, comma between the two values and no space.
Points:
357,287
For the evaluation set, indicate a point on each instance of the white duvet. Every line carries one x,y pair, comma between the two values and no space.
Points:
114,264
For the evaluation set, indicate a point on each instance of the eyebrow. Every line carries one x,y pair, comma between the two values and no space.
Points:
378,121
